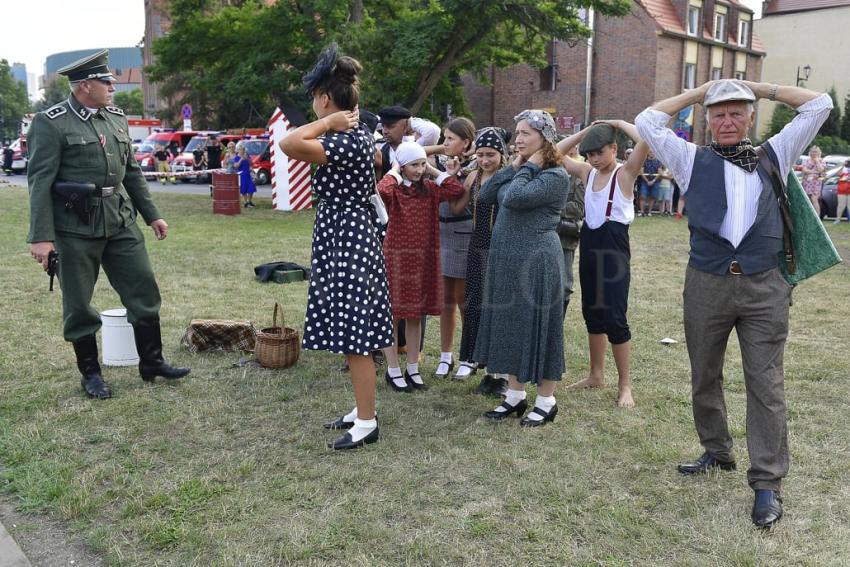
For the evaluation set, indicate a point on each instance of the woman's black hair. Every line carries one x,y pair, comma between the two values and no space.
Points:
336,76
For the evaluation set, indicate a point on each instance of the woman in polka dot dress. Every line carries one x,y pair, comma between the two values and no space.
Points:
348,309
412,251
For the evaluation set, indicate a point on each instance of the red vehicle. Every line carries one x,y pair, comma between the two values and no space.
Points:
167,138
19,155
261,165
186,160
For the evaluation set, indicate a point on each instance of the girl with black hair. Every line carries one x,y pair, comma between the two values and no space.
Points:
348,309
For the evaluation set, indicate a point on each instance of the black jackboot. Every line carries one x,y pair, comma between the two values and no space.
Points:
92,381
149,346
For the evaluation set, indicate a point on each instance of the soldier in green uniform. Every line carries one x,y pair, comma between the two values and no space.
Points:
86,190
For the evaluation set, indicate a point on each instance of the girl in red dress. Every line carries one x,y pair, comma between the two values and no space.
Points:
412,192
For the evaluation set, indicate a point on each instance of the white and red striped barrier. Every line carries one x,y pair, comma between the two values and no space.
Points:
182,173
292,188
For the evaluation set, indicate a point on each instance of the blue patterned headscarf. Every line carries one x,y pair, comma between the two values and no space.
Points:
541,121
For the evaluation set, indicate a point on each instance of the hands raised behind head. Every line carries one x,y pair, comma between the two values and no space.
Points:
433,172
537,158
342,120
452,165
613,123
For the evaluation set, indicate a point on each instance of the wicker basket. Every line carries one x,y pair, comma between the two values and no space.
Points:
277,346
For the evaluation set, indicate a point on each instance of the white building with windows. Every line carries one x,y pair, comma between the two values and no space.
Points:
807,43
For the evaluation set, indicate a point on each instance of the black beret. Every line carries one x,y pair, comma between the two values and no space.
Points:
393,114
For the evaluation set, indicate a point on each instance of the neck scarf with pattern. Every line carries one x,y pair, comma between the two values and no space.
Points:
742,154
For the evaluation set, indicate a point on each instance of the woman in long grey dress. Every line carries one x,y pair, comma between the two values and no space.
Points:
521,331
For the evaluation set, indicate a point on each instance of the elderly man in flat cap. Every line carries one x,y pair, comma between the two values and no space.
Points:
732,279
86,191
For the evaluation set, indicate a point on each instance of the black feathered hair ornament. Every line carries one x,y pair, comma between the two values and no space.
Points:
323,69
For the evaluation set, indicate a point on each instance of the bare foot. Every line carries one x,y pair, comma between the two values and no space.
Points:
625,400
589,382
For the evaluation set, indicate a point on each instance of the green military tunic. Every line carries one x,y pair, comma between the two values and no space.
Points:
68,142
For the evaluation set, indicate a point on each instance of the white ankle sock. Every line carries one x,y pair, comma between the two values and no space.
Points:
413,372
397,376
362,428
546,403
464,369
512,398
350,416
446,357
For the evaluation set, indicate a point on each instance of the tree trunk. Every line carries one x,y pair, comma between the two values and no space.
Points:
356,11
428,81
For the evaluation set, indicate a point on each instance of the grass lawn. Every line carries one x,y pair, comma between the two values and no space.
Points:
229,466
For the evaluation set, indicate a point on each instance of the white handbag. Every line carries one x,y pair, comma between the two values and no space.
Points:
378,203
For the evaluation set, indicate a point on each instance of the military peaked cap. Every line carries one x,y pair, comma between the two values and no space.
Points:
94,66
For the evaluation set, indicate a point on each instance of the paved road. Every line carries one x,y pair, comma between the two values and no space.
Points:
155,186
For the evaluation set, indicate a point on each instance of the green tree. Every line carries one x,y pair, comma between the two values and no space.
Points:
832,126
13,101
235,63
416,49
55,92
781,116
845,119
131,102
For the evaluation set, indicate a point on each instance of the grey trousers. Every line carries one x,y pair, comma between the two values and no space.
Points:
756,306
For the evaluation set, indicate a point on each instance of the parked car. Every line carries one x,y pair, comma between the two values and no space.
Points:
20,158
261,166
165,138
835,160
798,165
829,194
186,160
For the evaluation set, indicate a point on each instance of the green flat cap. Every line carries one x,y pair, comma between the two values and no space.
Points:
596,138
94,66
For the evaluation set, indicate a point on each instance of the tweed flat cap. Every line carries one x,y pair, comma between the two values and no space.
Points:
597,137
727,90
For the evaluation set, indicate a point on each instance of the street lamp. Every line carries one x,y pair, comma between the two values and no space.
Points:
807,70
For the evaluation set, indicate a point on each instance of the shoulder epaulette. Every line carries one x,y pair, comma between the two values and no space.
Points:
56,111
114,110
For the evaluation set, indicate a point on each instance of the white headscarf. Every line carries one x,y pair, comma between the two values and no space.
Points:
407,152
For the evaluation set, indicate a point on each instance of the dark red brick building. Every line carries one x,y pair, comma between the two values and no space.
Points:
656,51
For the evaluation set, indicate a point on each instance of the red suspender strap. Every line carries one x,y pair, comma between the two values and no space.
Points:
611,194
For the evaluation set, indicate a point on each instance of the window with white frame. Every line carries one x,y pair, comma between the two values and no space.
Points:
716,73
744,33
693,20
689,76
740,75
720,27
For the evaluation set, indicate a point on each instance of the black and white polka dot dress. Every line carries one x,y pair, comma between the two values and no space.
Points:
348,305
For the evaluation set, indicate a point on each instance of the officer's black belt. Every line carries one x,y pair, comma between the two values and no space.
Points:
456,219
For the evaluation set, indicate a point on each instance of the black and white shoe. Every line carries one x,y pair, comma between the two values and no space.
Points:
508,410
391,381
339,423
416,384
444,368
547,417
345,442
465,370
